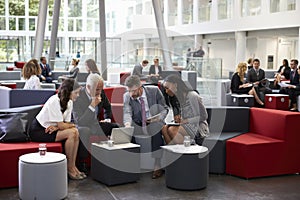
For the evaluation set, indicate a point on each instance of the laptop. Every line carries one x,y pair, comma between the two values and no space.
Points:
122,135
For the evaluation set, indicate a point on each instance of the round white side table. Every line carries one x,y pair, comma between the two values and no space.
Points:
43,177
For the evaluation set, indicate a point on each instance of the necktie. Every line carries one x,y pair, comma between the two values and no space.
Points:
293,74
144,119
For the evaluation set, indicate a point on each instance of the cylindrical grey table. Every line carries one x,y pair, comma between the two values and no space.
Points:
187,167
43,177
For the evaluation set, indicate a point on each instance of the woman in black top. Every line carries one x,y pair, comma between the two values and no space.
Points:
239,87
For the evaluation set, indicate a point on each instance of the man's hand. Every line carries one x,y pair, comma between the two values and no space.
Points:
95,101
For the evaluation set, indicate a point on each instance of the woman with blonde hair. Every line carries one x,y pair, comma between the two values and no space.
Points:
239,86
30,72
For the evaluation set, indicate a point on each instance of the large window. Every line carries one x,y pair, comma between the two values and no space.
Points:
187,11
282,5
251,7
75,8
204,10
172,16
225,9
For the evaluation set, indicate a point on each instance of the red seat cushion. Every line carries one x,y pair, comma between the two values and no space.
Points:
9,156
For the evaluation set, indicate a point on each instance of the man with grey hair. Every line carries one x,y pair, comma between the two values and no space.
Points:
86,112
145,109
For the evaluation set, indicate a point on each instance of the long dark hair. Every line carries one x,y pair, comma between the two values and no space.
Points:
64,92
182,88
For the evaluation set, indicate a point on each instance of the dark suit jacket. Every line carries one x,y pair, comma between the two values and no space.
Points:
253,77
156,103
294,80
45,72
152,69
84,116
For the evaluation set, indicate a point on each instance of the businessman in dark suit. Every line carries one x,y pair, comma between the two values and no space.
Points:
154,71
256,76
140,103
86,113
46,71
292,90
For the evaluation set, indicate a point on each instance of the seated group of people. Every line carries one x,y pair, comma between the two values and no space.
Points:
256,84
34,72
72,116
154,71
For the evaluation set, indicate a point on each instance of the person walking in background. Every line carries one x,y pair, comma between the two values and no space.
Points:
138,69
30,72
91,66
193,115
189,54
53,124
141,103
46,71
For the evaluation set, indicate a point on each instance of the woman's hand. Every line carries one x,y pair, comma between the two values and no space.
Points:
51,129
177,118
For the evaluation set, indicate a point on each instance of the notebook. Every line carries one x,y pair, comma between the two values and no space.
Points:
122,135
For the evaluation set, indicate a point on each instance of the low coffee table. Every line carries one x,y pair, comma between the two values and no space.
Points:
115,165
187,167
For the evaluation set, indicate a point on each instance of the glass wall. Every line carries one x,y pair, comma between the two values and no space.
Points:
225,9
282,5
187,11
251,7
204,10
172,15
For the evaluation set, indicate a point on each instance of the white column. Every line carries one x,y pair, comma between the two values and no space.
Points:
179,12
65,7
198,41
102,23
298,43
240,40
40,29
195,11
162,34
54,30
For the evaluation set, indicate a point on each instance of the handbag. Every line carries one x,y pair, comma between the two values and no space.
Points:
13,127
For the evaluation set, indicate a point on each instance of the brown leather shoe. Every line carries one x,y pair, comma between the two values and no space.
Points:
157,173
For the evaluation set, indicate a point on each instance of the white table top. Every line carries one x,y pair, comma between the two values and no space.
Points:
35,158
180,148
116,146
242,95
277,95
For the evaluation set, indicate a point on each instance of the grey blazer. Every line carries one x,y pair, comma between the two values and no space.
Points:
156,103
138,70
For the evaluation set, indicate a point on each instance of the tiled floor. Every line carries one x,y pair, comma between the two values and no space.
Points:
219,187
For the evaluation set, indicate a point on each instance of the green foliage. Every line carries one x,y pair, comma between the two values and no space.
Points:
16,7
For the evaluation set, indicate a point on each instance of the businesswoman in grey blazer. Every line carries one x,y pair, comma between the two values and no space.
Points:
192,118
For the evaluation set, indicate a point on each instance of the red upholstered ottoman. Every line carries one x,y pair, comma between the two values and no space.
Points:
19,64
252,155
9,156
277,101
